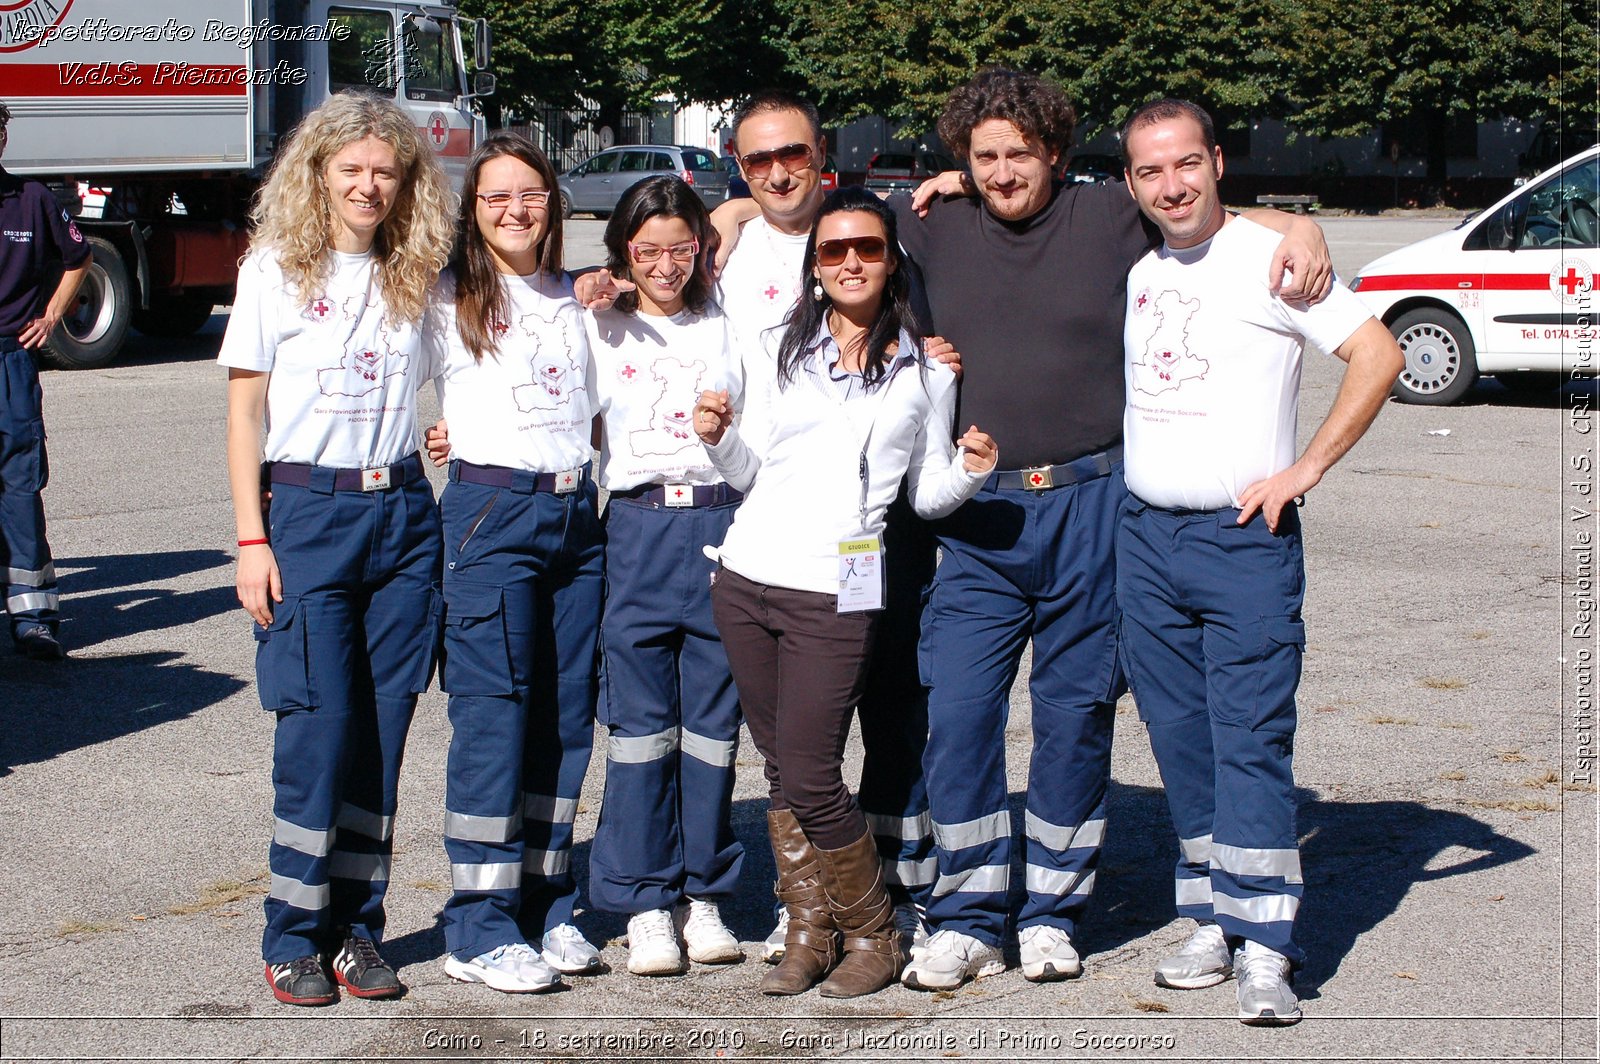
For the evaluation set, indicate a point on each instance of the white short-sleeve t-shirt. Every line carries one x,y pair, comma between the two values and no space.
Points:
648,372
526,405
1212,368
761,281
344,381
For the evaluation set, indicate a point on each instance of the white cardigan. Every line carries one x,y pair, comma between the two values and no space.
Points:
796,452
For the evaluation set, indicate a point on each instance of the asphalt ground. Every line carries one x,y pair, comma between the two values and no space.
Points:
1448,826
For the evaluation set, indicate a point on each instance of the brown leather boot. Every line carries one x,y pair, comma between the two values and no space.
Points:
809,948
852,880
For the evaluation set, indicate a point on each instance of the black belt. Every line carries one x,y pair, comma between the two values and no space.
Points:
1043,478
327,478
675,496
523,481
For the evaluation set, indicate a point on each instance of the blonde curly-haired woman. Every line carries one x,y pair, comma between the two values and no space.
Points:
341,575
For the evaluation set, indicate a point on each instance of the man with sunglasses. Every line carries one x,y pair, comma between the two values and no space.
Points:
1027,278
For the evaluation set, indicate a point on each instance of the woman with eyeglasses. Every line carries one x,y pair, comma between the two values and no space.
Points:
341,573
664,851
522,582
837,412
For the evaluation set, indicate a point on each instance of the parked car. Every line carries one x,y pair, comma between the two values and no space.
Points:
894,171
596,184
829,174
738,187
1086,168
1507,292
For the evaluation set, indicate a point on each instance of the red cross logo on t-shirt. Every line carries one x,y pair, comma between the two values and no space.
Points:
771,292
321,309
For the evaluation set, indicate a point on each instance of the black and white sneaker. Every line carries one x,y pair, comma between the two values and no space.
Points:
302,981
360,970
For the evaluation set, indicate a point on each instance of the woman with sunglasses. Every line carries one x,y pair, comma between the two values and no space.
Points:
844,408
522,581
341,575
664,851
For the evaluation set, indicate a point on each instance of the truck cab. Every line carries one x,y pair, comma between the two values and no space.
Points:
156,122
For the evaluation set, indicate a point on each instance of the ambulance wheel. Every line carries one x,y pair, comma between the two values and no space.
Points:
173,315
1441,361
92,332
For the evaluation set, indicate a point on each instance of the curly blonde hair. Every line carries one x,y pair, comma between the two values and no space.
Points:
292,214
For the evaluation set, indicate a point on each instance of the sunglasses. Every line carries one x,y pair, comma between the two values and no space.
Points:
867,249
758,164
533,199
643,253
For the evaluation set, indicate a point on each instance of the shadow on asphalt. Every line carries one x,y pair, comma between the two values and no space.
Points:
56,707
100,601
1360,860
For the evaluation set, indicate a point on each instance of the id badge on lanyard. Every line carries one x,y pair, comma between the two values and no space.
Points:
861,573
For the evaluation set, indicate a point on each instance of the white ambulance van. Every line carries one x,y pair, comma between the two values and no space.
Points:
1509,292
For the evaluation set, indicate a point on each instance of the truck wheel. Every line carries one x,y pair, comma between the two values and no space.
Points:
1441,361
92,332
173,315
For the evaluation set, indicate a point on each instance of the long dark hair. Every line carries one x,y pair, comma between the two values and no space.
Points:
481,295
810,316
664,196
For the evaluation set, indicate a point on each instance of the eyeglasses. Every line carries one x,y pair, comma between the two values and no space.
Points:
758,164
533,199
651,253
867,249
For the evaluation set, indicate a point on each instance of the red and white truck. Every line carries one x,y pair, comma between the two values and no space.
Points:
155,122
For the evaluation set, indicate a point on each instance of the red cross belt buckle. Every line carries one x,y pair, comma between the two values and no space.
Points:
1037,478
375,479
679,495
567,481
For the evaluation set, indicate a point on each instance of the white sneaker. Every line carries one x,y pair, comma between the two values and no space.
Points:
511,969
653,945
568,952
950,959
1265,998
772,946
1204,960
913,932
708,938
1047,954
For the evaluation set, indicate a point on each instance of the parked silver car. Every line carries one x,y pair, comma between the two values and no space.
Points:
596,184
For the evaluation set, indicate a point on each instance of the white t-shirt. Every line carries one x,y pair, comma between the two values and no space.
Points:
761,281
344,381
647,372
527,404
1212,368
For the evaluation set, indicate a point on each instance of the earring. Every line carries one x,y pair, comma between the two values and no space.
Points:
816,292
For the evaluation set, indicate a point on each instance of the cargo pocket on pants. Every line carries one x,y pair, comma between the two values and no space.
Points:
477,657
1278,674
283,675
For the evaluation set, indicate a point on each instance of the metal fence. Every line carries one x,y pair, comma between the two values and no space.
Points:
569,135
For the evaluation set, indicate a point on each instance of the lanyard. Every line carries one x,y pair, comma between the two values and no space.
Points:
819,380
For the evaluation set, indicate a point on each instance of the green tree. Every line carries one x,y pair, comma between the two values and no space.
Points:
1361,63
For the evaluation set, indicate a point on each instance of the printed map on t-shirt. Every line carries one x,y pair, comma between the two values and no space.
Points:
1164,360
364,367
671,427
555,374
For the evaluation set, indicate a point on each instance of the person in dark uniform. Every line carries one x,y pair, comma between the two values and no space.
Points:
35,235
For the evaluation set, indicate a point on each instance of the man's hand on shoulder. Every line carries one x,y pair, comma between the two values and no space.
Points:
952,183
